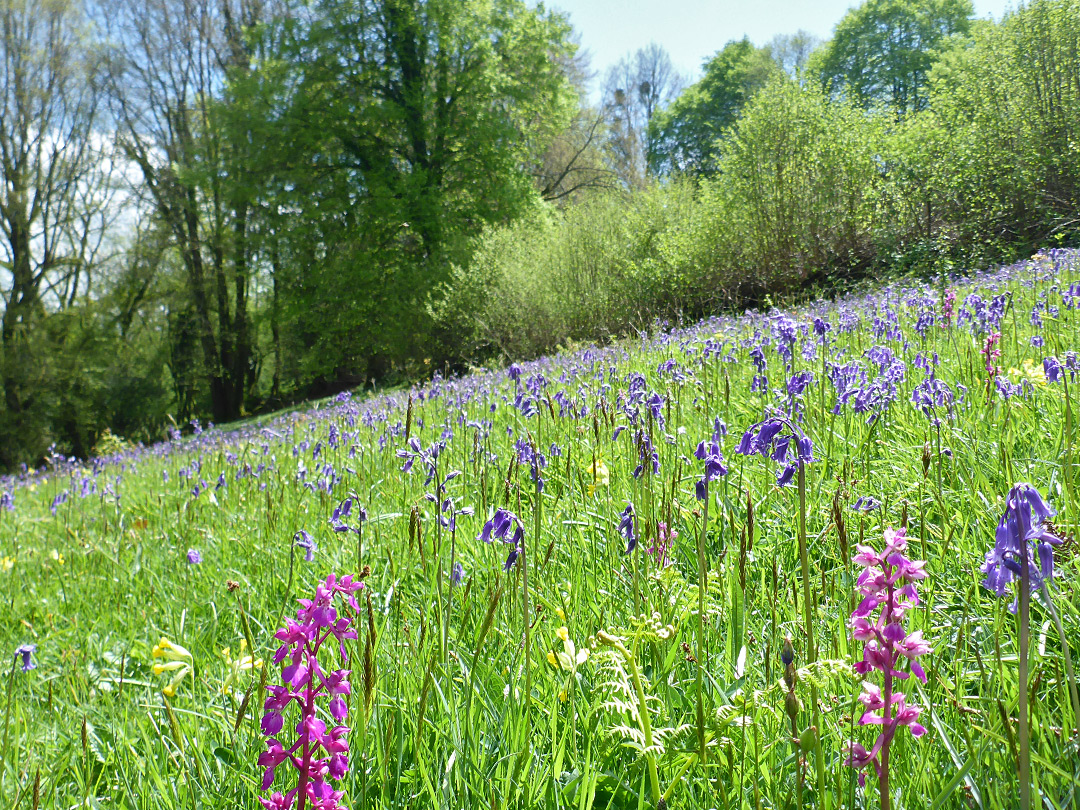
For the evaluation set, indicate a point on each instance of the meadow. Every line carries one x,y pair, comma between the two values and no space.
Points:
630,576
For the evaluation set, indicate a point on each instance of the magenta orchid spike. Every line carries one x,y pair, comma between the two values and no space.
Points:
319,753
887,587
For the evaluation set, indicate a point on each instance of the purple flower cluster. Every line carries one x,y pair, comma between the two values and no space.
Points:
932,393
627,528
319,752
887,585
709,452
506,526
339,519
1052,368
1024,525
768,439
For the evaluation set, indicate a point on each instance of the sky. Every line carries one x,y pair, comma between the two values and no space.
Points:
693,30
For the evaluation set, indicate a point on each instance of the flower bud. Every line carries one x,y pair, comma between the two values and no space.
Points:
787,654
792,706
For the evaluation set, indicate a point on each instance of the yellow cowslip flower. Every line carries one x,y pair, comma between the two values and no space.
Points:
243,663
561,614
563,696
601,476
176,660
569,658
56,557
7,563
169,651
1029,371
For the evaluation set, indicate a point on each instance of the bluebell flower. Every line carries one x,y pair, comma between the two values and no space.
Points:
714,465
1052,369
626,527
1024,528
507,527
765,439
305,541
865,503
25,651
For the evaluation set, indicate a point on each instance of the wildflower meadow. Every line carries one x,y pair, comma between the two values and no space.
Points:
817,555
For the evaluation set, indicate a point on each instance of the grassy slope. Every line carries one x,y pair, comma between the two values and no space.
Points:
96,584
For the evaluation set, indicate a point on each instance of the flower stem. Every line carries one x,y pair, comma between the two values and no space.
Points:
1025,737
887,693
703,584
1067,655
804,564
7,720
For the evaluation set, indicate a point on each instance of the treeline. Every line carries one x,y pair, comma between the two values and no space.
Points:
213,207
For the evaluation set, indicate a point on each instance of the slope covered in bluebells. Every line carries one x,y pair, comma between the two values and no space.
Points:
622,577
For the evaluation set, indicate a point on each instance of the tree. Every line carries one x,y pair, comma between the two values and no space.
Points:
168,87
635,89
792,51
685,137
882,51
397,130
798,182
1008,101
53,199
574,162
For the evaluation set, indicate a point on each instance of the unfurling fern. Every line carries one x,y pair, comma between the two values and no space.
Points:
628,702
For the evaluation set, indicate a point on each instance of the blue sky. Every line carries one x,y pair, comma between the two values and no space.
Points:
693,30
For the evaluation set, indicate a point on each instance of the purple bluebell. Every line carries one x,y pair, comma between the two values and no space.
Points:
507,527
1052,369
193,556
866,503
932,393
627,529
305,541
765,439
1024,528
25,651
714,466
340,517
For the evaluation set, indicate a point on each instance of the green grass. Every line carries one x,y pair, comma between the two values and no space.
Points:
487,721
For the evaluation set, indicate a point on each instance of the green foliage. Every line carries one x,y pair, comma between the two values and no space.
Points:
589,272
421,118
687,136
882,51
1009,105
798,183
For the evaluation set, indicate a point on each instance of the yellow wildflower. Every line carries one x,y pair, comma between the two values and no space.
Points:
601,476
177,660
7,563
1029,370
238,666
561,614
56,557
569,658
